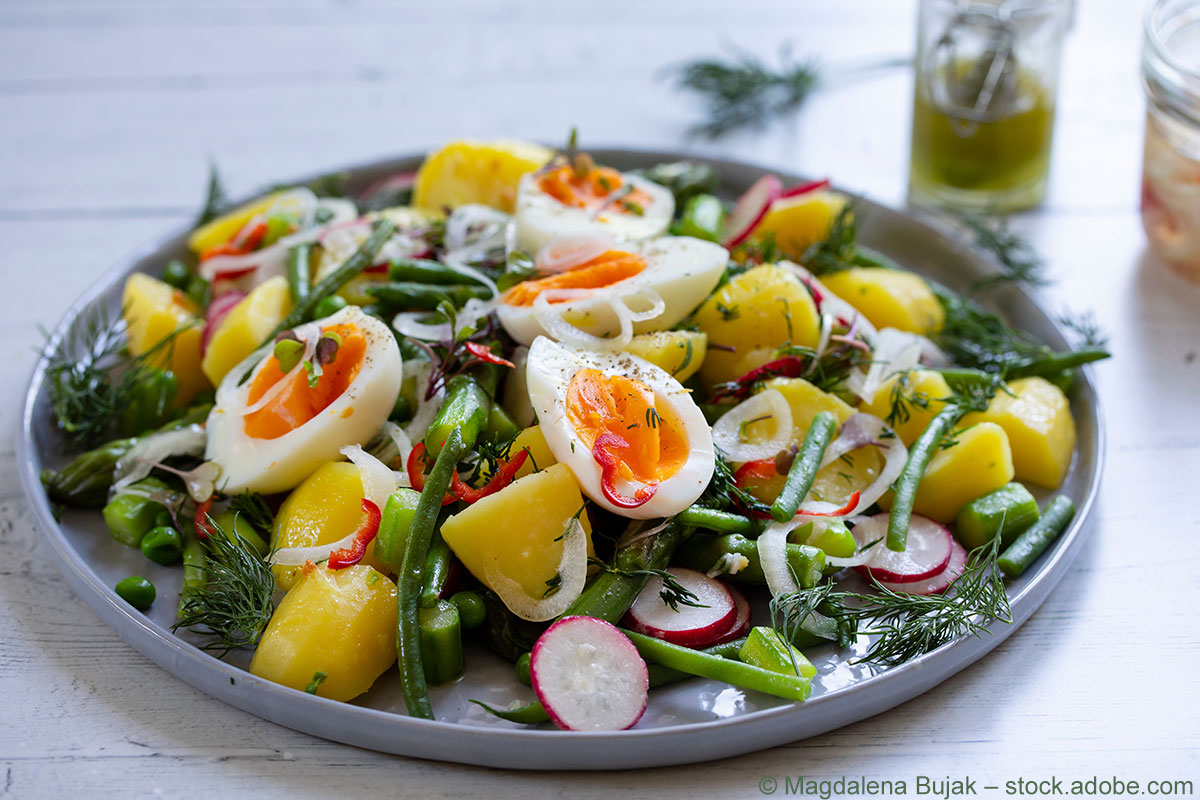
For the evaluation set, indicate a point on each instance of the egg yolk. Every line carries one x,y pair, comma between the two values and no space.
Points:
599,404
599,187
605,269
297,402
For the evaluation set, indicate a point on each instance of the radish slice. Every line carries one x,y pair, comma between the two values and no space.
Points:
589,676
750,208
928,551
690,626
806,188
215,314
741,623
938,583
727,432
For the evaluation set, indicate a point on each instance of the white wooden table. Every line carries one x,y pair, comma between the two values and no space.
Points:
107,113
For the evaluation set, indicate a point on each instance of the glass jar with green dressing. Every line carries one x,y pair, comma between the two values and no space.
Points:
983,106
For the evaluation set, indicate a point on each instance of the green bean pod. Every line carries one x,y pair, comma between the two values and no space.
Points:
299,271
714,520
423,270
611,594
702,552
437,570
423,296
703,217
1017,557
466,408
905,487
804,467
411,579
195,573
441,642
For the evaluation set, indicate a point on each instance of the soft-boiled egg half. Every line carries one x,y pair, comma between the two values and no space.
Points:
613,289
270,431
566,201
629,432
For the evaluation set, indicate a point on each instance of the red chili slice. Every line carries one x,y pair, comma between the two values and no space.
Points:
503,477
838,512
786,367
484,353
204,528
609,465
349,556
416,471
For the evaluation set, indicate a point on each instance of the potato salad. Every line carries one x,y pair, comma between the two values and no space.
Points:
619,426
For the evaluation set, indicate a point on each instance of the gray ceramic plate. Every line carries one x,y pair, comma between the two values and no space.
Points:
697,720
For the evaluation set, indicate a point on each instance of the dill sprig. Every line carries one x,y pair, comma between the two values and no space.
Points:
216,199
837,251
903,399
233,605
1019,263
673,593
907,626
252,507
744,92
723,493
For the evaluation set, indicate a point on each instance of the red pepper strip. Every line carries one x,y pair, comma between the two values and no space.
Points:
416,471
484,353
376,269
200,521
838,512
787,367
240,245
349,556
608,472
763,469
503,477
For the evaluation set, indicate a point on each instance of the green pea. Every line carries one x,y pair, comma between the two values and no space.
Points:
523,669
471,610
137,591
198,290
288,352
163,519
162,545
177,275
329,306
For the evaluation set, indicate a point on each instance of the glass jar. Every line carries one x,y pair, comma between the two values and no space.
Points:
1171,156
983,106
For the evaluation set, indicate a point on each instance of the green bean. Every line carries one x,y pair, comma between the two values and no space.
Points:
137,591
528,714
1057,362
198,291
611,594
472,611
1005,512
85,481
905,487
705,665
423,296
422,270
1017,557
437,570
501,427
465,408
195,570
152,404
441,642
299,271
364,256
394,525
703,217
714,520
329,306
130,516
162,545
804,467
411,578
702,552
767,648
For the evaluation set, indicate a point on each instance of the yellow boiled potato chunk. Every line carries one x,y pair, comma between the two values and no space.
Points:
889,298
806,401
678,352
796,223
1040,428
476,172
922,393
245,327
226,226
748,319
341,623
324,508
539,457
153,311
981,462
514,530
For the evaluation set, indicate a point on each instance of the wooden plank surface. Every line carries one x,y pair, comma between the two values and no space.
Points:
107,113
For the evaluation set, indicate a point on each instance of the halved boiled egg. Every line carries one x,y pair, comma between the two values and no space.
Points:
270,431
629,432
569,201
613,290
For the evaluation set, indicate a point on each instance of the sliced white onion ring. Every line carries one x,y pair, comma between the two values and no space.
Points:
572,568
426,409
657,304
378,480
308,333
865,430
567,252
823,339
894,352
833,305
727,432
297,556
407,323
549,316
149,450
772,554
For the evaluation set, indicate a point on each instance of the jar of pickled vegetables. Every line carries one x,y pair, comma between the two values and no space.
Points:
983,108
1171,158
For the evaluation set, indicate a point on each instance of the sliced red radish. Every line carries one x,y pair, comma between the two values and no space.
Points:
938,583
690,626
741,623
589,676
927,553
805,188
750,208
218,308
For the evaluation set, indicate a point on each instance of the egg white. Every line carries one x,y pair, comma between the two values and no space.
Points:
549,369
540,217
682,270
276,465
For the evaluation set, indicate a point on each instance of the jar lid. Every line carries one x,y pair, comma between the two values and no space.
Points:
1171,57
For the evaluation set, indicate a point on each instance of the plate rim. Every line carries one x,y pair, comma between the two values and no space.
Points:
428,738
